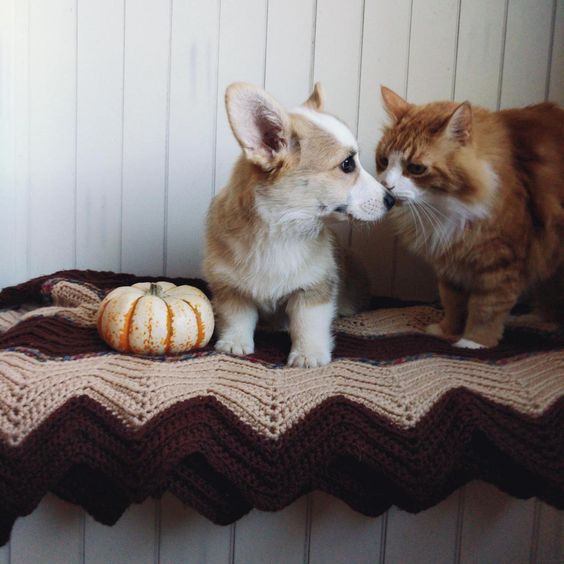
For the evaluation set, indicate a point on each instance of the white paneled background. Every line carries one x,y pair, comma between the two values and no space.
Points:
113,130
113,140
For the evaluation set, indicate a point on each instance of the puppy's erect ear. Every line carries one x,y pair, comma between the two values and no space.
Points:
459,125
394,104
259,123
317,99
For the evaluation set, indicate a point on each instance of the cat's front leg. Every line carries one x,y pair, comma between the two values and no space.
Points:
455,304
310,315
237,317
487,313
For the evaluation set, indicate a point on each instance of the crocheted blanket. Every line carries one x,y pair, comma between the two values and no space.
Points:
399,417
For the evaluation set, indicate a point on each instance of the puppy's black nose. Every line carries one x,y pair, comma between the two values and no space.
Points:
389,201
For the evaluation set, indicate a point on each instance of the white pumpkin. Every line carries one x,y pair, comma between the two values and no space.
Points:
155,318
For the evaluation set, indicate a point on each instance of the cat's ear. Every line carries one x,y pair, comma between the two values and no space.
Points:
395,105
459,125
317,99
260,124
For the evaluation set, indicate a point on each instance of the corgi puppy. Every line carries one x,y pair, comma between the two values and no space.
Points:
268,249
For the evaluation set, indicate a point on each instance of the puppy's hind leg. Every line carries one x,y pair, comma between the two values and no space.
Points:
236,321
310,328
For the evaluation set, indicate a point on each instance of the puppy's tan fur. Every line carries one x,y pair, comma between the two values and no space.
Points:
488,211
268,248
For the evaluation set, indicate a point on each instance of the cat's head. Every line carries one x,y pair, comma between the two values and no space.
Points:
427,155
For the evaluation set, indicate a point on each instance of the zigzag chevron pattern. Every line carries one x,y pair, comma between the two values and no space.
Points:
269,400
399,417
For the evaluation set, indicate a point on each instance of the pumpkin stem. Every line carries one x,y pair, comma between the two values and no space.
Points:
154,289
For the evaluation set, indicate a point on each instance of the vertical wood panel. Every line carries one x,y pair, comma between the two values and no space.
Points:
339,534
526,52
15,214
550,541
52,135
289,50
384,62
241,58
480,46
193,102
432,54
99,133
186,536
430,535
51,534
496,527
147,36
556,82
130,540
272,537
337,56
8,197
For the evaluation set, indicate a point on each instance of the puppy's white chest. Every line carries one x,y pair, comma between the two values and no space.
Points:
277,267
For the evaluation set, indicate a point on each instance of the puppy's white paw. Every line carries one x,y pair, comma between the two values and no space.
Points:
299,359
434,329
239,348
468,344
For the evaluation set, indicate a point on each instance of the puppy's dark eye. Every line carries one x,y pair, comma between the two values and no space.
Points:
383,163
416,169
348,165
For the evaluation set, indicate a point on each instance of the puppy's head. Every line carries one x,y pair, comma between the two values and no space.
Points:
305,161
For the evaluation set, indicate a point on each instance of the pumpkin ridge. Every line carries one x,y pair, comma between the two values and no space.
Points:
199,323
169,321
124,335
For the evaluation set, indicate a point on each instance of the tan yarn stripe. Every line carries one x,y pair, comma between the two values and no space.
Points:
10,317
414,319
270,400
72,301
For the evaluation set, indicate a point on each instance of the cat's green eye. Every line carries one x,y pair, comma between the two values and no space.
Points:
416,169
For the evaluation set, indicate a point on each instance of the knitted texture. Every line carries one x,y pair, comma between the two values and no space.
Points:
399,417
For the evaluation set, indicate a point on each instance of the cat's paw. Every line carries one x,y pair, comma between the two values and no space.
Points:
468,344
237,347
300,359
434,329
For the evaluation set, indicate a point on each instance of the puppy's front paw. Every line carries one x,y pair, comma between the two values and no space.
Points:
299,359
239,348
434,329
468,344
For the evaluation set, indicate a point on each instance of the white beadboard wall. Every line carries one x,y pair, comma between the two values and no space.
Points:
113,132
475,525
113,140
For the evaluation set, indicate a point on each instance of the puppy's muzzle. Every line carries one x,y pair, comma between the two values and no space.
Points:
389,201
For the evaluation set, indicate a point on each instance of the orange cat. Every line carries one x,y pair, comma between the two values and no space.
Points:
480,195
